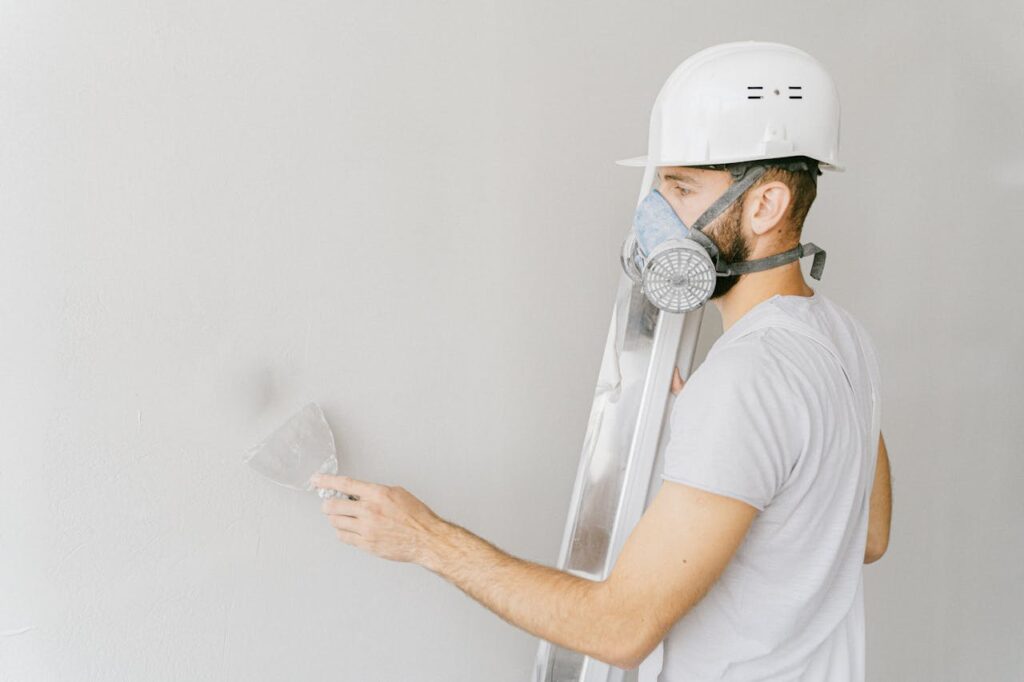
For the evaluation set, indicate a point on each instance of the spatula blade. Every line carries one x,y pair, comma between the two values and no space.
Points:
300,448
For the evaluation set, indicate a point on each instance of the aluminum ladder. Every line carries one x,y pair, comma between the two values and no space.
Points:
620,466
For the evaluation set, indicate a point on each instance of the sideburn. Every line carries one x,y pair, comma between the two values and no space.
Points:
727,234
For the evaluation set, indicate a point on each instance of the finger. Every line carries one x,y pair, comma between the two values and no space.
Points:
354,539
345,484
346,523
677,381
341,506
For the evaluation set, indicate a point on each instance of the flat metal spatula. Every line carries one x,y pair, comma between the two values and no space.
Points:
299,449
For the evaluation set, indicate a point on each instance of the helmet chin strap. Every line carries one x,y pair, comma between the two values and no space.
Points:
745,176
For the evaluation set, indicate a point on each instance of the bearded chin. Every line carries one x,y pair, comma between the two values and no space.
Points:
723,284
732,248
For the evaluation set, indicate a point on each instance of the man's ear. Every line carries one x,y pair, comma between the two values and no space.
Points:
769,204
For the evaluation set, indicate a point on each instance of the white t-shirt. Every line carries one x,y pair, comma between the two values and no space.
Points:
770,418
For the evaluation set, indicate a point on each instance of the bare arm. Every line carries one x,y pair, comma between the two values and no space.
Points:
670,560
564,609
880,514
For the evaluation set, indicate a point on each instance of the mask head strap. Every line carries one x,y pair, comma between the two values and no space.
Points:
768,262
743,178
745,174
705,241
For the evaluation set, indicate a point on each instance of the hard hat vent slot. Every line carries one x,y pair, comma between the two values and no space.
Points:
755,95
798,94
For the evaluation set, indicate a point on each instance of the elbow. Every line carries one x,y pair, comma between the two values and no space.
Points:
632,655
874,551
634,659
631,634
617,655
624,661
876,544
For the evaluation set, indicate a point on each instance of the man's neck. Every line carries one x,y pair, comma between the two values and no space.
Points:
756,287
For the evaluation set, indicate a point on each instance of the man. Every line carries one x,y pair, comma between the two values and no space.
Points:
747,561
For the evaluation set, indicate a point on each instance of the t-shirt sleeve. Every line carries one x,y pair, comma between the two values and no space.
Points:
731,430
874,367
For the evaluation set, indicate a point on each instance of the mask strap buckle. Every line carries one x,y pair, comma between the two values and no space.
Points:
818,264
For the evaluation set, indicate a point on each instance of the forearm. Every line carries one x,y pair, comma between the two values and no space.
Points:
571,612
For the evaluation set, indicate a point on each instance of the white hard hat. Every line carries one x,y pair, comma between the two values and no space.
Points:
744,101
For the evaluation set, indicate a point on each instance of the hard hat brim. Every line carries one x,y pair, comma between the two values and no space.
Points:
641,161
634,161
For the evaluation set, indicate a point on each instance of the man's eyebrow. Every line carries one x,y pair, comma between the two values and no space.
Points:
681,178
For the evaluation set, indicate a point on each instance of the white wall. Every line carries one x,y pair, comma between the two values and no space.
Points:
214,212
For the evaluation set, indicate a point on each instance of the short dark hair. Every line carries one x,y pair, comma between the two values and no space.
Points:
803,188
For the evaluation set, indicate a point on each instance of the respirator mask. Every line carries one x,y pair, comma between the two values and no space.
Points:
678,266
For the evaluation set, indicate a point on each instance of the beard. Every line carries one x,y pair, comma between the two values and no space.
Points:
726,231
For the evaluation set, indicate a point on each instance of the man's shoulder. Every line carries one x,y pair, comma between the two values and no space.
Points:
746,358
770,349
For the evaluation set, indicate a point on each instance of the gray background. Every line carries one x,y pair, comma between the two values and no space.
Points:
214,212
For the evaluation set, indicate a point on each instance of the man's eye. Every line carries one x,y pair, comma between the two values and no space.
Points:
682,190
